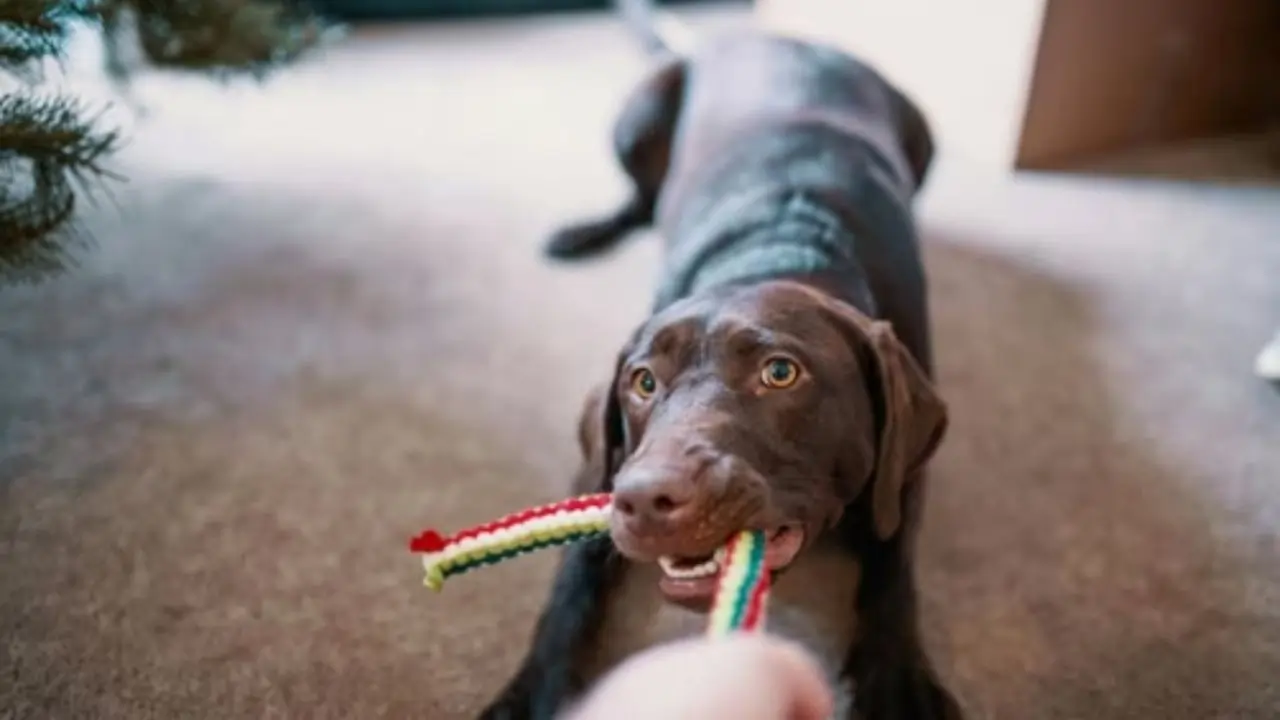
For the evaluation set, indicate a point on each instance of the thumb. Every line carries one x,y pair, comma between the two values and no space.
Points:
810,695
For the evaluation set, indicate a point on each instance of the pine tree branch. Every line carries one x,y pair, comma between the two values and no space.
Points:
49,146
35,29
218,36
46,148
36,230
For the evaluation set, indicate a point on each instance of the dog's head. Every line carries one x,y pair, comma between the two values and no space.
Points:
766,407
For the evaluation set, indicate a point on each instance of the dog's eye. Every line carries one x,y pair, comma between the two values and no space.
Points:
779,373
643,383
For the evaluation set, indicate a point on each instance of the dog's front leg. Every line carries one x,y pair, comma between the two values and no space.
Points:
551,676
892,675
893,678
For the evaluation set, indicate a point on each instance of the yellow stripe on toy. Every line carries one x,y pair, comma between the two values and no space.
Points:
744,586
741,595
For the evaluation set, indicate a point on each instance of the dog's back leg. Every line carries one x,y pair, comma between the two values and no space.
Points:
642,142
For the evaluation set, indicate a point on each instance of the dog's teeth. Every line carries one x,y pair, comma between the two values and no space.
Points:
673,570
707,568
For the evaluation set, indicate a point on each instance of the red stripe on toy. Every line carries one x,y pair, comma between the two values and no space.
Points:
428,542
432,541
754,615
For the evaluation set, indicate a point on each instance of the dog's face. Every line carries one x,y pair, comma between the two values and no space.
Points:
764,407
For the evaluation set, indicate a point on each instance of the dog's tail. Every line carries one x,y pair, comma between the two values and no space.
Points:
660,32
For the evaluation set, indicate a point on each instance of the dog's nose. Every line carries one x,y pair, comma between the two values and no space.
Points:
651,502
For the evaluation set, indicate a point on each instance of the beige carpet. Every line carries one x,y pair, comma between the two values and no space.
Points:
316,320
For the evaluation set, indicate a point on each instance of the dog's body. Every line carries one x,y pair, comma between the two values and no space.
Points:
781,176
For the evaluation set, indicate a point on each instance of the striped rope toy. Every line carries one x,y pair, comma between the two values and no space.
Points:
741,595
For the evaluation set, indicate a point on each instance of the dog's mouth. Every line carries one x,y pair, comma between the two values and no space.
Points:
691,581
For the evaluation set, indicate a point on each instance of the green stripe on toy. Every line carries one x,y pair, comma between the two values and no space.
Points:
743,587
740,598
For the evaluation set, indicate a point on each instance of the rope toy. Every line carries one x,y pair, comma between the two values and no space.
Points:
741,594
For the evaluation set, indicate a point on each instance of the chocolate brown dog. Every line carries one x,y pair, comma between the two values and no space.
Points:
783,381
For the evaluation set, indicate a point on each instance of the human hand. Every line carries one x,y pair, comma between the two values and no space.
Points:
743,677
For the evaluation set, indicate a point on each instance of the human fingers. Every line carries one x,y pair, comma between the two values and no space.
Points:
803,682
742,677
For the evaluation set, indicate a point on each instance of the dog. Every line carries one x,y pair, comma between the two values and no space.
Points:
783,380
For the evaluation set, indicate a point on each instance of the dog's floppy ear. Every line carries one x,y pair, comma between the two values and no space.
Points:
601,436
912,420
591,433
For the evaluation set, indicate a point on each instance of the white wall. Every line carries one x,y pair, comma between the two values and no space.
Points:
967,64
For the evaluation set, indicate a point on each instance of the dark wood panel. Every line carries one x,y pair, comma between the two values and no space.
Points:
1115,75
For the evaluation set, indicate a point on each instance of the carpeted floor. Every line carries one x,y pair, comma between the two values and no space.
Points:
316,320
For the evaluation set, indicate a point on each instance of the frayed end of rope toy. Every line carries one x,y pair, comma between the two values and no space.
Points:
429,541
